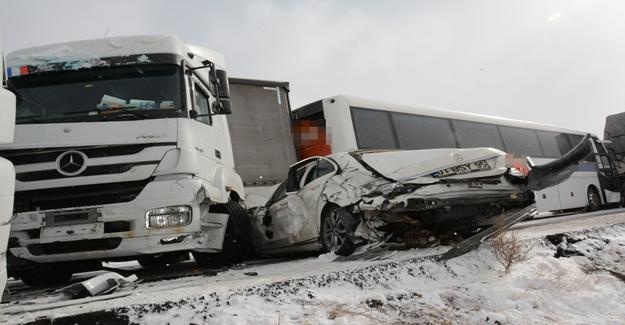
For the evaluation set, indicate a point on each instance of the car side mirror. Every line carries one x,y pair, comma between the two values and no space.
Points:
193,114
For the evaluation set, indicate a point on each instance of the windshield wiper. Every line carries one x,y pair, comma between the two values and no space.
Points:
125,112
112,112
32,118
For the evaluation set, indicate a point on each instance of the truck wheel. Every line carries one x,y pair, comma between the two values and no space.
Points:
594,199
335,230
237,244
47,274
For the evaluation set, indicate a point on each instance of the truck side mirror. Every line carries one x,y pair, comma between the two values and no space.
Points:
193,114
224,85
224,107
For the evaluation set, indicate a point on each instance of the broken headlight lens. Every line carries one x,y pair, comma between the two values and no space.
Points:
168,217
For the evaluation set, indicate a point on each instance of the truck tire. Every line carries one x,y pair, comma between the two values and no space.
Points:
335,231
237,245
46,275
593,198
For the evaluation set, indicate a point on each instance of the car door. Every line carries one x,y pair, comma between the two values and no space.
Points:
303,203
277,219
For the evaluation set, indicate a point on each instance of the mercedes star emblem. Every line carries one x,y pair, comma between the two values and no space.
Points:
71,163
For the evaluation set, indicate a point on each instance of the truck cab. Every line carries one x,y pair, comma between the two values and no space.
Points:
122,151
7,174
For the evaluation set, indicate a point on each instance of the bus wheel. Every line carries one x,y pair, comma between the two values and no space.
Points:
237,245
594,199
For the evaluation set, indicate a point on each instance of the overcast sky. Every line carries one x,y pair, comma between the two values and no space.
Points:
560,62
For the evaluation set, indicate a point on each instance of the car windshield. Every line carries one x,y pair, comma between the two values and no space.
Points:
137,92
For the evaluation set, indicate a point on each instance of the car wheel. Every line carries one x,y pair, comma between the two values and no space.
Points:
335,230
594,199
46,275
237,245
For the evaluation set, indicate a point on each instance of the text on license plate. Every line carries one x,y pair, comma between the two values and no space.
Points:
462,169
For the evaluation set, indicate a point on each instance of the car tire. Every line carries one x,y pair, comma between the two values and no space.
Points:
336,228
237,245
46,275
593,198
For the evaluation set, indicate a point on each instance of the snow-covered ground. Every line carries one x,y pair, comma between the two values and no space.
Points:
581,287
574,274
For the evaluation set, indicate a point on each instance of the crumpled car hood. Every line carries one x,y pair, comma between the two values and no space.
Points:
417,166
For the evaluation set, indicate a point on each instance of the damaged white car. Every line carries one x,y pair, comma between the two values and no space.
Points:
417,197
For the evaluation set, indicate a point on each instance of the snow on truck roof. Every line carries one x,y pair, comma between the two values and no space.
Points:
86,53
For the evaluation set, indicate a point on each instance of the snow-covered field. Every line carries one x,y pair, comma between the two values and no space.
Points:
574,274
585,285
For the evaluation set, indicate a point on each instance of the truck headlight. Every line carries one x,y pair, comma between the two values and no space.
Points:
168,217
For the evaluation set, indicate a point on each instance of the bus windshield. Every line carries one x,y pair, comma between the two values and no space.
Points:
134,92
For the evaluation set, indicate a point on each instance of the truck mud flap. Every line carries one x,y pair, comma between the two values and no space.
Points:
476,240
555,172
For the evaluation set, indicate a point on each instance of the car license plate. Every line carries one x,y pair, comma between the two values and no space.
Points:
462,169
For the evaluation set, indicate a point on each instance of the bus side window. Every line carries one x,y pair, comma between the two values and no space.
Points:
521,141
423,132
473,134
373,129
574,139
550,144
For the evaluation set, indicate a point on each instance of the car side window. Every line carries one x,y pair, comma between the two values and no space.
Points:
321,168
310,176
202,105
301,174
324,167
279,194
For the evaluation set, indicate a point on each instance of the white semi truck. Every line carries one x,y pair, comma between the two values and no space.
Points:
7,174
122,151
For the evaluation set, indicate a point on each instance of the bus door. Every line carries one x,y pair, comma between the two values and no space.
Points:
608,175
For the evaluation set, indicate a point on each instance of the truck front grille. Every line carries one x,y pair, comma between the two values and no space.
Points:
90,171
78,196
41,155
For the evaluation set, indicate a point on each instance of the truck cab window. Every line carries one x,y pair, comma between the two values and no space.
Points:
202,105
96,95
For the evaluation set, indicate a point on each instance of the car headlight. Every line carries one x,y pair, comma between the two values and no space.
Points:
168,217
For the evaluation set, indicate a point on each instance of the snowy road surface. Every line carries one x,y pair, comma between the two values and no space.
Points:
584,284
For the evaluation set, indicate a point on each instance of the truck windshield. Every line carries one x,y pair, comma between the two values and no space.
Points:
111,94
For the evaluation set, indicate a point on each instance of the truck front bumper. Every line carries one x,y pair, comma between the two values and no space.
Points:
118,231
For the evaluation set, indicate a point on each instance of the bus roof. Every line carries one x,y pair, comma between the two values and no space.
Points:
386,106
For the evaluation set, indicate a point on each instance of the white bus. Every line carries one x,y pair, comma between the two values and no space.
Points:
344,123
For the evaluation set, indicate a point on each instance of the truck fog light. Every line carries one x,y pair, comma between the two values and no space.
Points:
168,217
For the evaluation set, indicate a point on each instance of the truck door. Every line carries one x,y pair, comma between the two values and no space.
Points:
208,137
